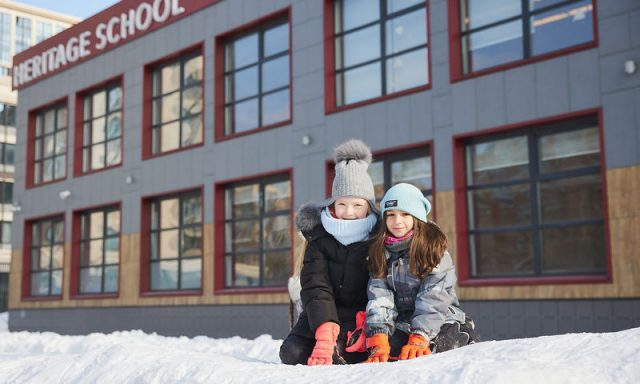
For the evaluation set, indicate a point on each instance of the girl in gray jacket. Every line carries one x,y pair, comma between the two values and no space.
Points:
413,309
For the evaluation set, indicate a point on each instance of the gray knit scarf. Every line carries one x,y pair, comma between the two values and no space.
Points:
348,231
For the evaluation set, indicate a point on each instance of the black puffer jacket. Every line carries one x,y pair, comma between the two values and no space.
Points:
334,277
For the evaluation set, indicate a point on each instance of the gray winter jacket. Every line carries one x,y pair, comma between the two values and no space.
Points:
412,305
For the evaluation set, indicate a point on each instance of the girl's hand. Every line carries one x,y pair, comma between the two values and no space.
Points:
326,336
416,346
379,348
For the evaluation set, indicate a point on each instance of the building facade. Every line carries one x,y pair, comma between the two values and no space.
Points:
165,146
21,26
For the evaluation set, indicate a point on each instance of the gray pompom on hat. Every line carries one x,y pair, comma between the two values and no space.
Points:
352,179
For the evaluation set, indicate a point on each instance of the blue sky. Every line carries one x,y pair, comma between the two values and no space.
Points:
78,8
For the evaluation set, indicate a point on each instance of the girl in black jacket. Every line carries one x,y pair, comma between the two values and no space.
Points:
334,274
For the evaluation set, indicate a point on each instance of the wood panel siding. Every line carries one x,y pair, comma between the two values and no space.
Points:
623,192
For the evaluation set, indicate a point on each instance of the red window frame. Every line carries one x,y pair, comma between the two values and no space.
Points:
147,108
330,67
219,71
460,189
455,47
26,258
31,136
145,238
75,253
79,131
219,233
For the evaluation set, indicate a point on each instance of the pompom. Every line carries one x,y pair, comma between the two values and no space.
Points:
352,150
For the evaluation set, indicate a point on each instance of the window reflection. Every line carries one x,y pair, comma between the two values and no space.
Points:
257,79
258,233
102,143
380,48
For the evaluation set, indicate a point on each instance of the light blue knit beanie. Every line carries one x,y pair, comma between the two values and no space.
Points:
408,198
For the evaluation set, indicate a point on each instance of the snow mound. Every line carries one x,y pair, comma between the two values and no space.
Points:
138,357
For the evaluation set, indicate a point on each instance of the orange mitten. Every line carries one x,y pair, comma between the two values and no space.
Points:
416,346
379,348
326,336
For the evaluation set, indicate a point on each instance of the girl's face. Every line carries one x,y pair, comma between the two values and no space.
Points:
351,208
399,223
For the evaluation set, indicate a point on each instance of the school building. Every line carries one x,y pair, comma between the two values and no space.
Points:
163,147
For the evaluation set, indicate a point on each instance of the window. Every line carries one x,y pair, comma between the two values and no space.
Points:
6,192
23,33
102,129
50,145
99,252
43,31
7,154
379,47
535,202
5,233
257,89
409,166
47,254
175,242
497,32
257,233
176,110
8,115
5,38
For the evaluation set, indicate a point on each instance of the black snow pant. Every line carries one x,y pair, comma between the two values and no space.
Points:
297,347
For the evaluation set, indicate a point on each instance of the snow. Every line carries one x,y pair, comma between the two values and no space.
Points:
137,357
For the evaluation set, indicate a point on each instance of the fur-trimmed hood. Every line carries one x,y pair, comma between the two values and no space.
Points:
308,217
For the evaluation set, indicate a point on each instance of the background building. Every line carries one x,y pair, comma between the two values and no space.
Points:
166,144
21,26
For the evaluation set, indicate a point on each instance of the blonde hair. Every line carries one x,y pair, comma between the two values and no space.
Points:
427,248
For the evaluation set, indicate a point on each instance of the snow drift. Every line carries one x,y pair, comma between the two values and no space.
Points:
136,357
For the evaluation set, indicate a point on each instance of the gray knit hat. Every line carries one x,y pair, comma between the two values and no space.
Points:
352,161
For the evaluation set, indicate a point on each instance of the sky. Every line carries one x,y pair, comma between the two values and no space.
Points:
138,357
77,8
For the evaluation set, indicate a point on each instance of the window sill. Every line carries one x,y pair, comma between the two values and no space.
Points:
192,292
94,296
514,281
80,174
515,64
220,138
31,185
183,149
252,290
42,298
335,109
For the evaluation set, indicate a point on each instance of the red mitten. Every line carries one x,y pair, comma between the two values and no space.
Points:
379,348
326,336
356,340
416,346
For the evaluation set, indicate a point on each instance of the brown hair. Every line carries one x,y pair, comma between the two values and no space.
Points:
427,248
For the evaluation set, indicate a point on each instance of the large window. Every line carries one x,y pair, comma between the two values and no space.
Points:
409,166
257,233
380,48
495,32
176,106
257,89
47,254
99,251
535,202
7,154
50,145
23,33
102,128
175,248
